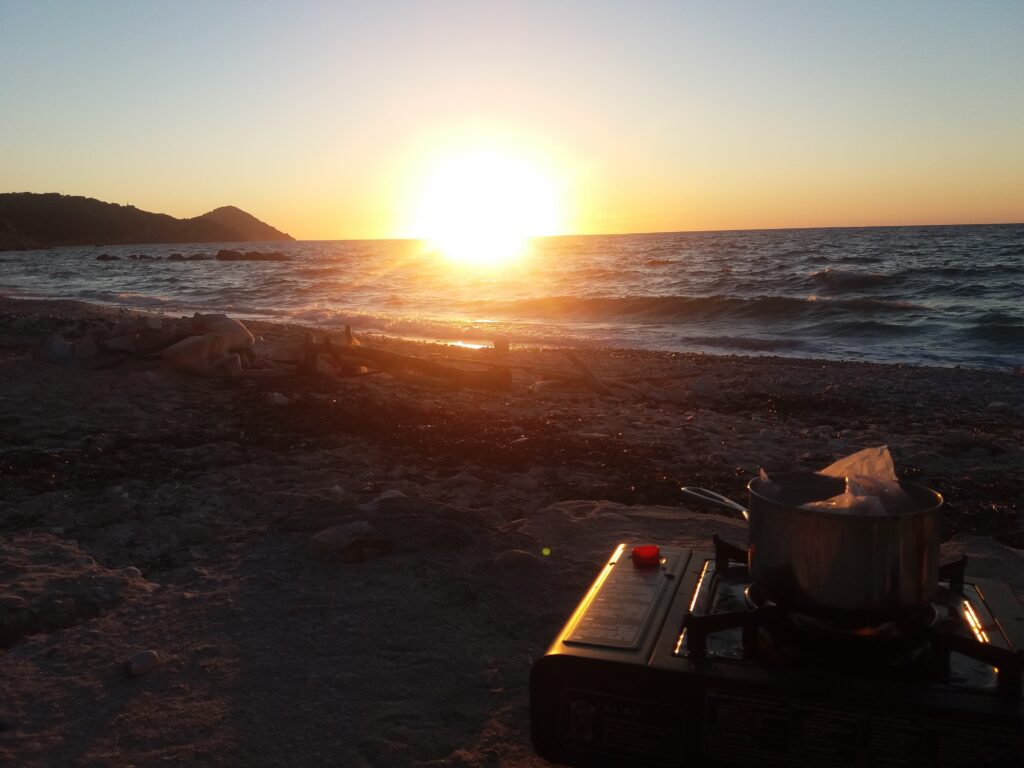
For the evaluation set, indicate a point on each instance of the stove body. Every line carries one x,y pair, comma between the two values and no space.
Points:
677,663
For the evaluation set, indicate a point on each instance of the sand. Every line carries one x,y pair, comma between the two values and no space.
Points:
353,571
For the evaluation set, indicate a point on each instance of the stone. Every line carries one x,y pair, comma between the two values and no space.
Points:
54,349
234,332
517,560
195,533
121,344
85,347
954,437
142,663
131,572
107,257
706,388
276,398
549,385
374,504
198,355
349,543
999,407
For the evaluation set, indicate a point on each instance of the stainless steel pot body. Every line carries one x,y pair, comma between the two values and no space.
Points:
815,561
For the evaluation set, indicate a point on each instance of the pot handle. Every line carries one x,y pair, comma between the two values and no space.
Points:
715,499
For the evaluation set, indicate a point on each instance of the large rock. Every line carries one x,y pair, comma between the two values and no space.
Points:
234,332
85,347
47,584
204,355
54,349
349,543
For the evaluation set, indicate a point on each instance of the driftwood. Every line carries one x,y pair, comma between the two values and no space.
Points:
588,375
351,355
351,358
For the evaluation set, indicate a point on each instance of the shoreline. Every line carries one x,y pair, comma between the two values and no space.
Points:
473,339
353,569
975,414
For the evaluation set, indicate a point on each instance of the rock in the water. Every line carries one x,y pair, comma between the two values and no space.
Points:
999,407
349,543
53,349
142,663
107,257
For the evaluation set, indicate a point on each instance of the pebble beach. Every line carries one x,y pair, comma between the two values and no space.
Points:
301,569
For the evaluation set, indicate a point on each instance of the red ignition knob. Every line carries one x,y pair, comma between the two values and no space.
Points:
649,554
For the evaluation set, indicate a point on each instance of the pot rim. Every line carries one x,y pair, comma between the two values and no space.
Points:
891,516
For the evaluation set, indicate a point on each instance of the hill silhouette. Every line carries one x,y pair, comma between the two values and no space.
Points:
29,220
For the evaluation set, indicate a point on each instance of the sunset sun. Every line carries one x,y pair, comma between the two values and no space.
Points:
481,208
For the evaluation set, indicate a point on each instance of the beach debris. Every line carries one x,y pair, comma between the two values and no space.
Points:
872,487
142,663
54,349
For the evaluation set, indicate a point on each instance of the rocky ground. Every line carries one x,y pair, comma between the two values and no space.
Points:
297,569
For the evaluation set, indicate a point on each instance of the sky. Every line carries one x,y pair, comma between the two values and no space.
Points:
323,118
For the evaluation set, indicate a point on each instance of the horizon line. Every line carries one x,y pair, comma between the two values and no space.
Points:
685,231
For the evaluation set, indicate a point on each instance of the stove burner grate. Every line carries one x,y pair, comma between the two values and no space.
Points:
918,643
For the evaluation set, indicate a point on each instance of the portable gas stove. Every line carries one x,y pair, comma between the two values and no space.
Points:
674,659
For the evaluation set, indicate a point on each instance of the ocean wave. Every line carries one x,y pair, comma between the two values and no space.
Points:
867,328
747,343
1005,336
844,280
966,271
127,298
667,308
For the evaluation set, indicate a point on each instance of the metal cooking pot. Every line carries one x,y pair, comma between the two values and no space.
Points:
817,561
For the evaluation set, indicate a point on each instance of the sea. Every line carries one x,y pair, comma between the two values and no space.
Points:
934,295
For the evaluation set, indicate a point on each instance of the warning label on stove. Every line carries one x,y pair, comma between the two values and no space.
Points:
620,611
